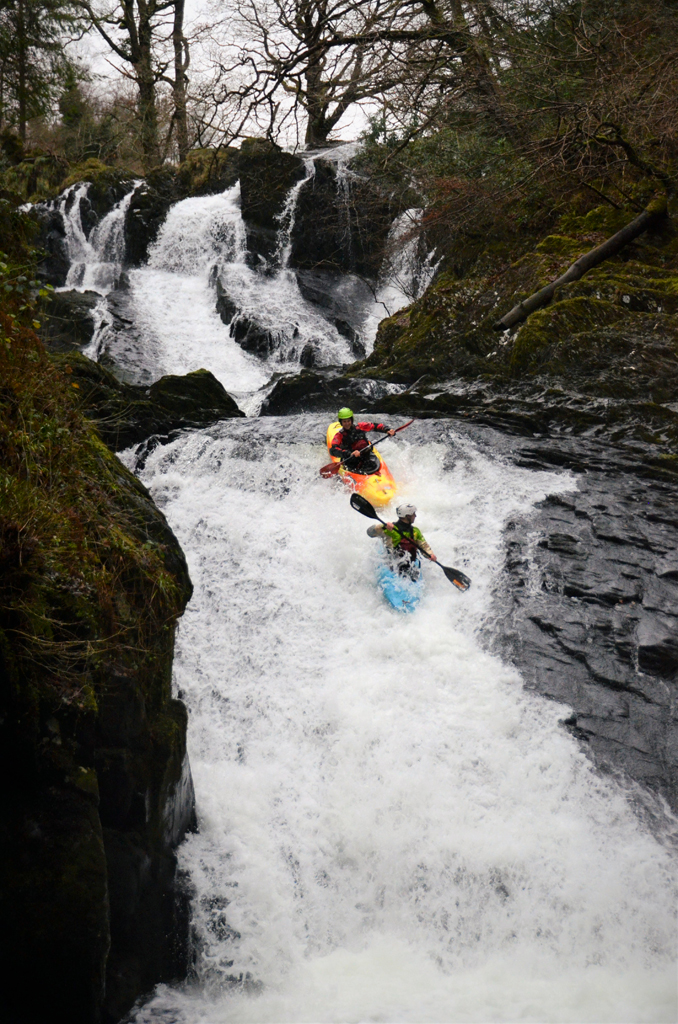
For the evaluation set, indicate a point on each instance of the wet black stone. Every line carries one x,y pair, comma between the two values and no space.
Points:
226,308
127,414
66,320
307,357
252,337
147,211
53,268
590,617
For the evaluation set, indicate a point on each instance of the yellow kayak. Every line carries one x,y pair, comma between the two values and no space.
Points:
378,486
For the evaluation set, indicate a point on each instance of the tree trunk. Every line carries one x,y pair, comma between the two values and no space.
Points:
146,81
588,261
317,128
22,56
181,62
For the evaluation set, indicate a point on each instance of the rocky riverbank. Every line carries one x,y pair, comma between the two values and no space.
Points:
98,786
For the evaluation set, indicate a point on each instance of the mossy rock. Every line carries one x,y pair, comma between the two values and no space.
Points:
108,185
126,414
534,346
208,171
91,586
36,177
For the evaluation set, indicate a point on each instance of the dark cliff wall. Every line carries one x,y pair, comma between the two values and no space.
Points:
97,785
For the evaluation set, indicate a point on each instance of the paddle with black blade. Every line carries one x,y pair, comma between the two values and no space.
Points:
363,506
333,467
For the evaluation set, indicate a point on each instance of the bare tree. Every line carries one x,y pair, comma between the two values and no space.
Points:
306,61
136,32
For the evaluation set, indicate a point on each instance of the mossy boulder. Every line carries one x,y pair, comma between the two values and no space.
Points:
108,185
205,172
450,330
126,414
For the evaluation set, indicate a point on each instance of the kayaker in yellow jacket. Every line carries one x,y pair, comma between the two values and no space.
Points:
404,540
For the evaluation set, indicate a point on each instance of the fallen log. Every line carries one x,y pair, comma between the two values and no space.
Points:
650,215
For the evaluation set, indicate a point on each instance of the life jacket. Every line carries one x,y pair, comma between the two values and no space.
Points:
404,538
350,440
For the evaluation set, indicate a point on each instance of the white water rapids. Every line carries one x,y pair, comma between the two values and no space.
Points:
390,828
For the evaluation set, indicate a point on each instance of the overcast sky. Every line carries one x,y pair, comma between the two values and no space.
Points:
102,62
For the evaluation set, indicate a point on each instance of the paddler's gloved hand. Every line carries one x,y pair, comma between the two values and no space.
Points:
391,433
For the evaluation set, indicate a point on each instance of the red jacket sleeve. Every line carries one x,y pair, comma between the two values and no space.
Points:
336,448
373,426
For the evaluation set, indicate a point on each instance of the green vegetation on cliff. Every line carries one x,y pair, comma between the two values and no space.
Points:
93,746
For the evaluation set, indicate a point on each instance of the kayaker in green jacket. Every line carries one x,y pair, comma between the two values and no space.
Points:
404,541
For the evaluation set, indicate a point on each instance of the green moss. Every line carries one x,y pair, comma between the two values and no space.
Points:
102,176
537,339
208,170
562,245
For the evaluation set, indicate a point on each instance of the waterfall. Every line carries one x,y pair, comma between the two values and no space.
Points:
405,274
199,302
172,305
390,827
287,217
96,262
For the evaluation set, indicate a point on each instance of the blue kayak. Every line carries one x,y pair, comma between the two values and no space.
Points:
401,592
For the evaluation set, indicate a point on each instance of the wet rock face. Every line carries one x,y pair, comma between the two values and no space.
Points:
67,321
52,238
252,337
127,414
266,176
341,223
591,614
323,391
147,211
341,298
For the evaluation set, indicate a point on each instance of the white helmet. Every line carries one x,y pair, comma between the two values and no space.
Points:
406,510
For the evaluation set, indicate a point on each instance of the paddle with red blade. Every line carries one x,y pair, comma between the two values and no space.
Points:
363,506
333,467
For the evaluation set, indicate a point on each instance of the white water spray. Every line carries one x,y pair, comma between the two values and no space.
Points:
287,217
391,829
405,275
172,304
96,262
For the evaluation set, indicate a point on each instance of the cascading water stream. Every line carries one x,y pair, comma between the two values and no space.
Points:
288,215
95,261
391,829
172,305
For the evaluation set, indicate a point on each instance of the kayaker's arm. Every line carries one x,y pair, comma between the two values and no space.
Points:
379,531
426,549
423,544
381,427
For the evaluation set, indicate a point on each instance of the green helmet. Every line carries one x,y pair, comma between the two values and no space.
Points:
345,414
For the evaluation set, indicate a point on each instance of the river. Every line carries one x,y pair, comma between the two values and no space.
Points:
391,829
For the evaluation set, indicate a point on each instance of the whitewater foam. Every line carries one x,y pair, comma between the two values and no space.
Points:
391,829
